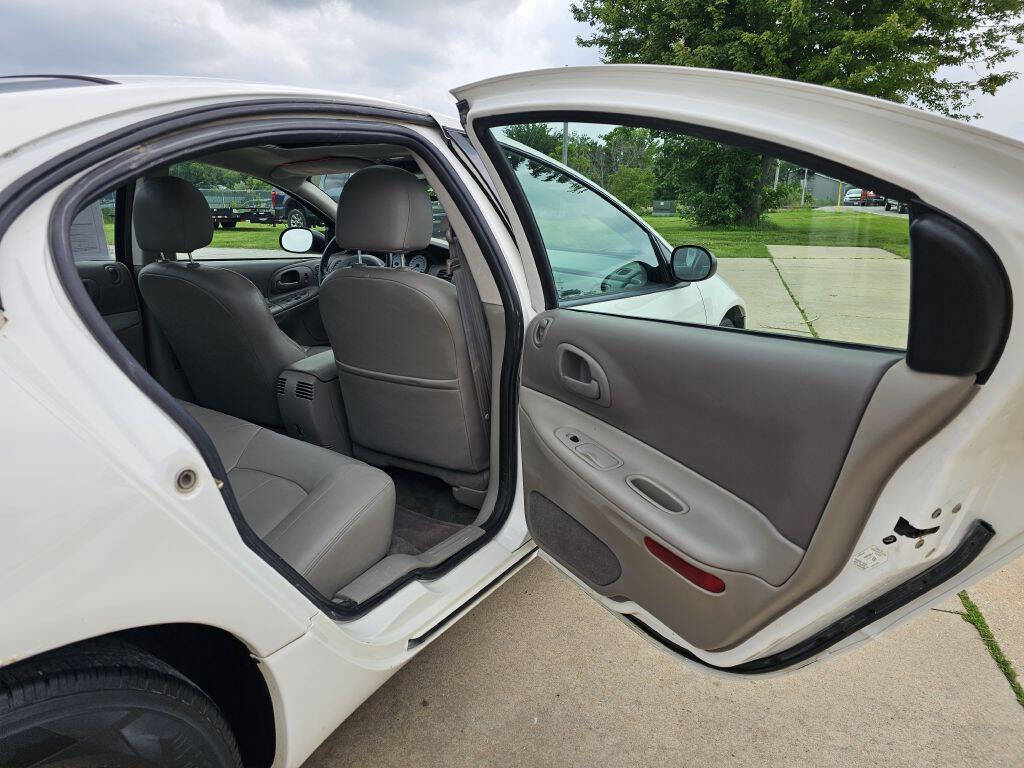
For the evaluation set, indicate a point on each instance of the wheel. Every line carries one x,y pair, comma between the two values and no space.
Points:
108,705
888,206
727,323
296,218
228,224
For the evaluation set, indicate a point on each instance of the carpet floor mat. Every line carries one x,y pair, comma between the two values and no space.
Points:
414,533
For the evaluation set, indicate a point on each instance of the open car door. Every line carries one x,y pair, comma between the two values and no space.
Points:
755,500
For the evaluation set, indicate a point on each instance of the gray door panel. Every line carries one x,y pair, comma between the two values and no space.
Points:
112,289
703,519
768,418
758,459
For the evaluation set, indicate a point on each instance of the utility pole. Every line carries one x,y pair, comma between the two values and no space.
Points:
778,164
565,143
803,189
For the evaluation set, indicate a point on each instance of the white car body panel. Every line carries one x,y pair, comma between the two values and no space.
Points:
959,169
108,543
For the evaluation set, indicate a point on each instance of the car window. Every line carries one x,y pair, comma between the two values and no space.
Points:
595,249
798,251
332,183
92,231
248,213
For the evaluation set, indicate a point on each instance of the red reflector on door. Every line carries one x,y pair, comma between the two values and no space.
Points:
688,571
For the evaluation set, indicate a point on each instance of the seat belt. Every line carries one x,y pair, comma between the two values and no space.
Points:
474,325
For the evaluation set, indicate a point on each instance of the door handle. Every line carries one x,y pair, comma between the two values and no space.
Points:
582,375
589,389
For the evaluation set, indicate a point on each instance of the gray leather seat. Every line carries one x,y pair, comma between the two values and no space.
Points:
403,362
327,515
216,320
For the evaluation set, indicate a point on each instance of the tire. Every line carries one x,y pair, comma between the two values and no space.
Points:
228,224
108,705
296,218
727,323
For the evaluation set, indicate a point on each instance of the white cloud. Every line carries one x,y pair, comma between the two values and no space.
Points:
402,50
405,51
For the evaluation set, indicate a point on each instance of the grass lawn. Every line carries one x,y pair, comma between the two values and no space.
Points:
798,227
244,235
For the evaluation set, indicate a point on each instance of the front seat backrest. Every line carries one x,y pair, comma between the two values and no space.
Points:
216,320
403,361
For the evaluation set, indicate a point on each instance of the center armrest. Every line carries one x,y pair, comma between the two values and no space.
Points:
320,365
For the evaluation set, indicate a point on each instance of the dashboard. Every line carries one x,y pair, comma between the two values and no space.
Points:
433,260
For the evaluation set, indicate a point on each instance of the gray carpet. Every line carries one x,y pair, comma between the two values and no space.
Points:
414,533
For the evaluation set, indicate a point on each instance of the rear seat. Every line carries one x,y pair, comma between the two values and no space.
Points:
327,515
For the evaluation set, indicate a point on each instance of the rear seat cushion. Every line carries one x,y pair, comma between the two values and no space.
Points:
327,515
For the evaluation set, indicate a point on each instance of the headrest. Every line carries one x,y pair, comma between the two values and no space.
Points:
171,216
384,209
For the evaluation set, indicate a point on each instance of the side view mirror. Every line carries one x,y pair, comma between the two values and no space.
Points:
693,263
301,240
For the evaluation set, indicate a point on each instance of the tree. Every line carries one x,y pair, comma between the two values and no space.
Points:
901,50
204,175
633,186
538,136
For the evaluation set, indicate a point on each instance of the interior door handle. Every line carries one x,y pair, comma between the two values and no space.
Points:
582,375
589,389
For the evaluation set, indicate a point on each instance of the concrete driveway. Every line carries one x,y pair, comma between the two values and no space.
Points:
539,675
842,293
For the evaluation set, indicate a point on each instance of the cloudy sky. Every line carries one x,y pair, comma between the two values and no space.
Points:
406,50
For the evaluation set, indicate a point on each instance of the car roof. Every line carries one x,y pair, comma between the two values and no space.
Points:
41,106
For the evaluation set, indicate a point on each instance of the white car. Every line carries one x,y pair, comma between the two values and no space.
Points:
240,492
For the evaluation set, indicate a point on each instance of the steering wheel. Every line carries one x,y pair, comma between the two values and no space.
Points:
345,261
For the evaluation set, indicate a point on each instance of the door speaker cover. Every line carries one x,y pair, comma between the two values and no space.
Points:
573,545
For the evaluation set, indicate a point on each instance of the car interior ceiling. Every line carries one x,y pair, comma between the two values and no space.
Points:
338,387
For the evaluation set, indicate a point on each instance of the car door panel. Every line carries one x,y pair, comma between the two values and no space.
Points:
112,289
689,394
777,476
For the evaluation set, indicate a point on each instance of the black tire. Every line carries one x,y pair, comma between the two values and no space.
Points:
108,705
228,224
727,323
296,217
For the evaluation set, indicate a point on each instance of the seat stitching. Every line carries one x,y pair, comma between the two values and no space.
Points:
355,518
309,503
251,491
248,443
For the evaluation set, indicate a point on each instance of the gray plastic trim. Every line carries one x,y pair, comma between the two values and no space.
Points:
395,567
719,529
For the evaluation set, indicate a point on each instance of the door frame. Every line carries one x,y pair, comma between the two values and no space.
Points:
193,132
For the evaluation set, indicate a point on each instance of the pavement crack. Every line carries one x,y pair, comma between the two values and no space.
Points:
792,296
973,615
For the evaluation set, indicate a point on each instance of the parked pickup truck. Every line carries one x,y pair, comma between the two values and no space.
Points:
292,211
